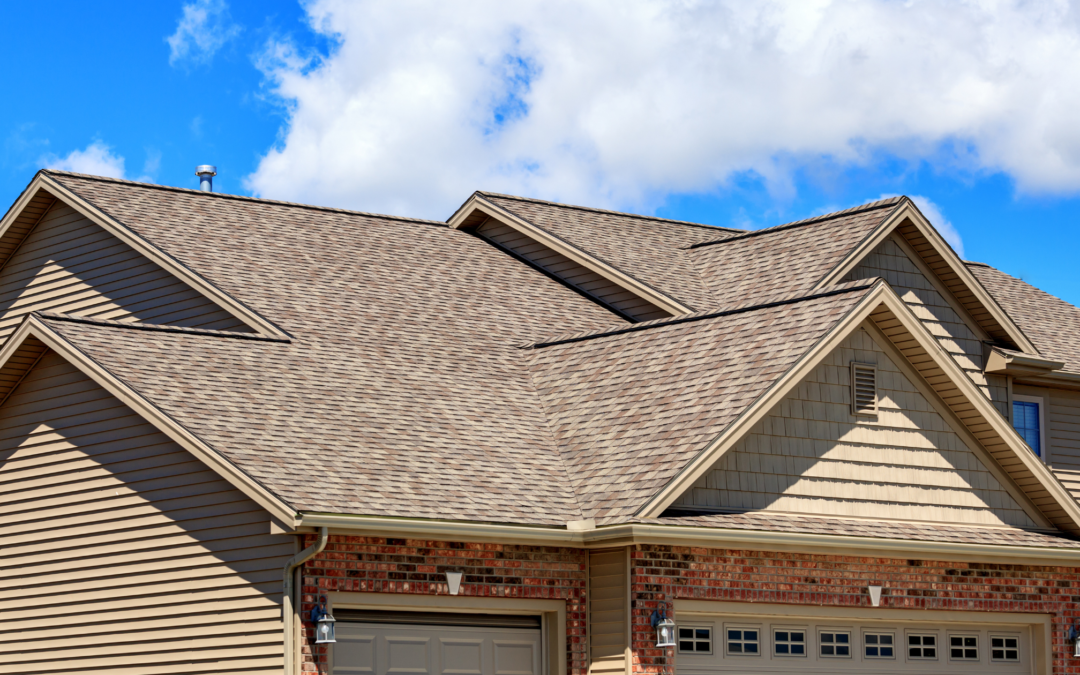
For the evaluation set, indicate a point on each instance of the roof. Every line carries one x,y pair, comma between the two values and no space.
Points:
649,249
420,371
1052,324
785,258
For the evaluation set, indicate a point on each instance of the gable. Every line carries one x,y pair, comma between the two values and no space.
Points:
68,264
954,329
107,517
811,455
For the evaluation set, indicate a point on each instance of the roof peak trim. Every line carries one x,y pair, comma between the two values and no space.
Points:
862,208
607,211
701,316
159,328
243,198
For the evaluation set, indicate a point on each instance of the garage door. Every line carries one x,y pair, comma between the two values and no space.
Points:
392,643
708,645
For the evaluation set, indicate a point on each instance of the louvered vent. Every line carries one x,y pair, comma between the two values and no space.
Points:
863,389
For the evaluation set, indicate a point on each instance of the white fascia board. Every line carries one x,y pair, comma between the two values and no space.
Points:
680,535
164,260
32,326
909,211
478,203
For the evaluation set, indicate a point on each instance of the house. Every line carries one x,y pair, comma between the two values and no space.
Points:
513,442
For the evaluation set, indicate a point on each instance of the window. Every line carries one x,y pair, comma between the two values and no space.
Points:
695,640
964,647
863,389
834,643
922,646
1027,420
745,641
879,646
789,642
1004,648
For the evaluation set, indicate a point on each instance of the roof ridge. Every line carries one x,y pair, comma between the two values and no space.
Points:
156,327
764,303
222,195
862,208
607,211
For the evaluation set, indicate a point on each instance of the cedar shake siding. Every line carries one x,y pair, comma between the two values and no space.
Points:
961,338
812,455
68,264
122,553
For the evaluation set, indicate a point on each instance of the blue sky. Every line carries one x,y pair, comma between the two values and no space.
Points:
704,111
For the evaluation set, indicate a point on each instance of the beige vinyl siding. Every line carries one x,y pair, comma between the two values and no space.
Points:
579,276
608,610
891,262
70,265
811,455
120,552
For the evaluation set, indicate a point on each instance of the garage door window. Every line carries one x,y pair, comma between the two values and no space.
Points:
922,646
789,642
743,641
835,644
695,639
879,645
1004,648
964,647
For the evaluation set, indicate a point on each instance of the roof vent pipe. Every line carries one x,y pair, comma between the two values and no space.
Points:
206,174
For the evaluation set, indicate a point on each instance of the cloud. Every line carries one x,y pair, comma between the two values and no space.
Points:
942,224
97,159
204,28
621,102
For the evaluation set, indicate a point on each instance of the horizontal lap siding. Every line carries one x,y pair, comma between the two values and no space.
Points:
120,552
70,265
575,274
608,599
812,455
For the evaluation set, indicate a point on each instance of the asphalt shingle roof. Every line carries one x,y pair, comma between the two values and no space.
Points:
1051,324
428,374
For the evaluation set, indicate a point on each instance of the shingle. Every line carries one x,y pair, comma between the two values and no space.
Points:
648,249
1051,324
788,258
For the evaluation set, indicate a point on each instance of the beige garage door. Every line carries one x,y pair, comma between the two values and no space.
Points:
387,643
710,645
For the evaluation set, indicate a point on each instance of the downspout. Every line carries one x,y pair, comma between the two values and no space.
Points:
287,598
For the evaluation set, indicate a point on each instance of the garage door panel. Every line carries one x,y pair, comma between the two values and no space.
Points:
516,657
407,655
770,645
356,648
404,649
461,656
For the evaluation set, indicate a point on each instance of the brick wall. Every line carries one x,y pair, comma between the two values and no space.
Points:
665,573
380,565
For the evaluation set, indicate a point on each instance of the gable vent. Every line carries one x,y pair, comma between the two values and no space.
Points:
863,389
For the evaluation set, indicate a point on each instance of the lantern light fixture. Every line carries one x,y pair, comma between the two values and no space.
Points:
1074,638
324,623
665,627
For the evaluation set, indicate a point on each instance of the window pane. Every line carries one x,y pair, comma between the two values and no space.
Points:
702,633
1026,422
686,632
702,647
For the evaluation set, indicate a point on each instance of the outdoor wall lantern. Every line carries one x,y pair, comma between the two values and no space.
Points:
1074,638
324,623
665,628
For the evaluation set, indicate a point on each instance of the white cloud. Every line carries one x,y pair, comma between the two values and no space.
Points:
204,28
620,102
933,213
97,159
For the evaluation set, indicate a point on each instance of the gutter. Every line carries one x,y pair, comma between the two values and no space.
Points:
682,535
288,610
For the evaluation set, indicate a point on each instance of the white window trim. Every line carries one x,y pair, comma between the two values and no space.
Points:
896,646
835,630
761,642
1044,449
922,633
695,640
790,629
964,634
